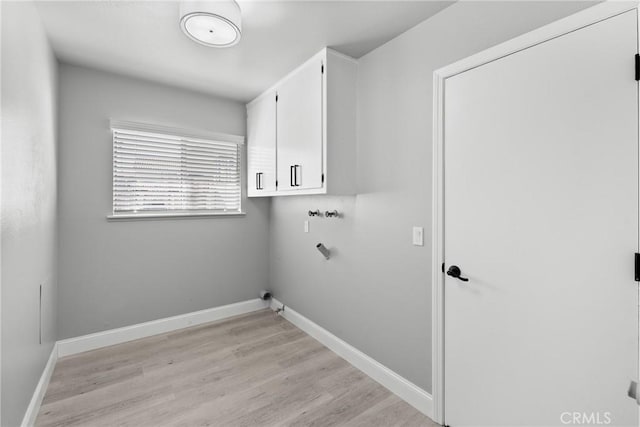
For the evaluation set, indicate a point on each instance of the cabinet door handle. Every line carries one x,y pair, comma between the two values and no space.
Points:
259,181
291,175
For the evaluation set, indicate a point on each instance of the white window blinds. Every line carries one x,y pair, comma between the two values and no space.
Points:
164,173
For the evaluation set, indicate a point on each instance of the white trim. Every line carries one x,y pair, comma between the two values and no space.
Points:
36,400
142,330
558,28
406,390
179,132
171,215
342,55
563,26
638,178
437,250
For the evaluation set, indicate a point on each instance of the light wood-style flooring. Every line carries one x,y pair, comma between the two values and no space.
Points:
251,370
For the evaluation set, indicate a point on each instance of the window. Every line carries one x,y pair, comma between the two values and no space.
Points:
168,172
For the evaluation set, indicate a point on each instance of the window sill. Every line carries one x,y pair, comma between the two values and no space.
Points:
176,215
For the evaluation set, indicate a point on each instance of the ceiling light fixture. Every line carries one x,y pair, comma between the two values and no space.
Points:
212,23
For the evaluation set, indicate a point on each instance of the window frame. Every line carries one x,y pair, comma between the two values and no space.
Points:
180,133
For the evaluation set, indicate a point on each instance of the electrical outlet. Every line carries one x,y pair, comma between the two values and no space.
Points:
418,236
306,226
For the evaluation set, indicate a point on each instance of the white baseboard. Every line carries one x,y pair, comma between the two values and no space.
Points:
142,330
406,390
36,400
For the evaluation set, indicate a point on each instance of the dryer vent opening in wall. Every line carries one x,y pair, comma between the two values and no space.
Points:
265,295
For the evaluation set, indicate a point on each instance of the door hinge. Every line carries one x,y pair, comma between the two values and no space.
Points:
637,267
637,67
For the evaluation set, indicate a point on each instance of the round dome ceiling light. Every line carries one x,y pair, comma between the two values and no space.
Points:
215,23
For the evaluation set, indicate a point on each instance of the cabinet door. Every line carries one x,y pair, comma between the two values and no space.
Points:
261,146
300,106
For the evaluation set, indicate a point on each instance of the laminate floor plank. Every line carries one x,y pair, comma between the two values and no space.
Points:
251,370
392,411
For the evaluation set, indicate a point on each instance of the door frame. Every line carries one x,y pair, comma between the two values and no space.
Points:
548,32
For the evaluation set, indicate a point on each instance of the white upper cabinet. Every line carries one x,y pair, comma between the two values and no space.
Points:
261,146
315,130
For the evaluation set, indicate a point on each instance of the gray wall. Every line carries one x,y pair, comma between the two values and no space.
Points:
113,274
28,205
375,293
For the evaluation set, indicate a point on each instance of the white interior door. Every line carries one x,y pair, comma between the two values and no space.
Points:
300,129
541,215
261,145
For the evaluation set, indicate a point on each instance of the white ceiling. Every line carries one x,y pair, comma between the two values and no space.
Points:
143,38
